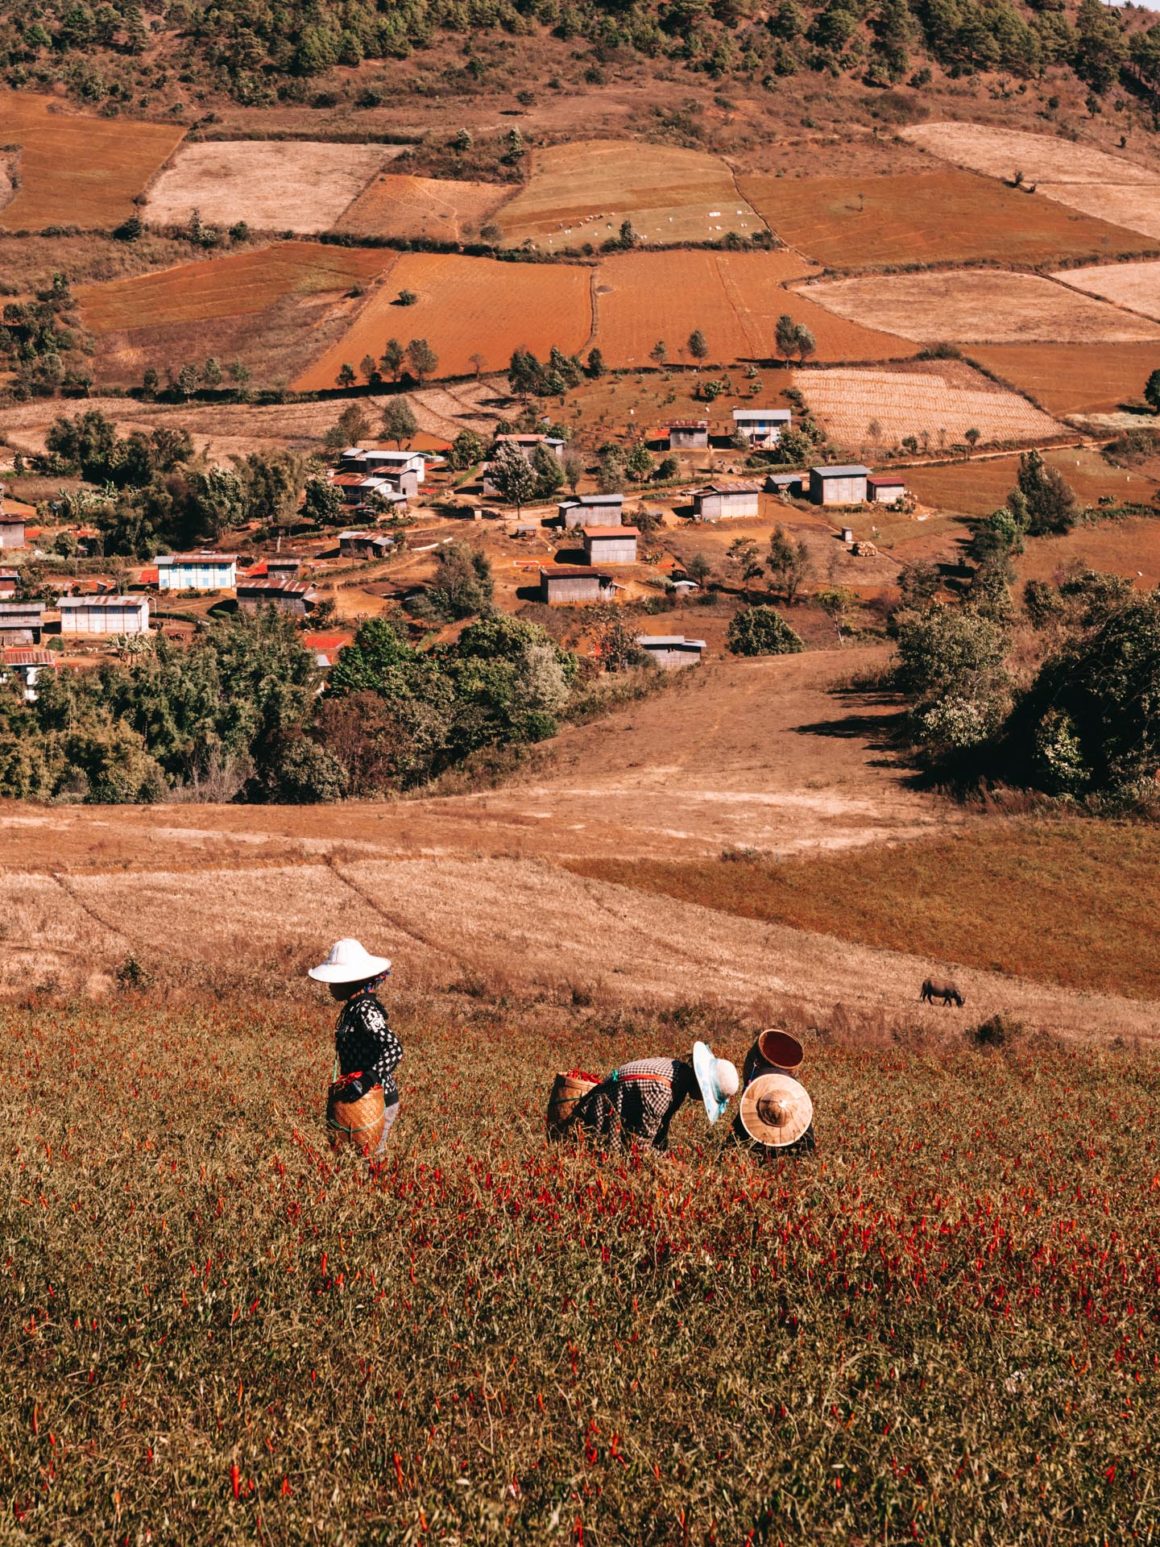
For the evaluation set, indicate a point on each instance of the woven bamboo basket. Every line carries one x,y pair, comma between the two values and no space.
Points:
567,1090
358,1122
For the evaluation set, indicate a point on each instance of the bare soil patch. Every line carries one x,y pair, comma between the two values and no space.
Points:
1090,180
1069,381
467,306
979,306
289,185
1133,285
442,209
77,170
935,401
733,298
934,217
582,192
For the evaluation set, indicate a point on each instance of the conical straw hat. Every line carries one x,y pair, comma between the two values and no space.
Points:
775,1110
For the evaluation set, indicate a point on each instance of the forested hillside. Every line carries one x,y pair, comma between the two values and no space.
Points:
257,53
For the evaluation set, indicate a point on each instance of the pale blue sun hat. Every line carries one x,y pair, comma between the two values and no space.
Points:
718,1080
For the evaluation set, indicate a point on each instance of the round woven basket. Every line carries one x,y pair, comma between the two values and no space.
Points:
567,1090
358,1122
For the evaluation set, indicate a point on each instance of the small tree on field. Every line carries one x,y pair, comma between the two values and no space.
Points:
346,377
1152,391
972,437
573,470
595,363
698,568
352,424
513,476
466,450
762,631
392,358
789,563
785,336
1043,502
659,353
476,361
549,472
805,342
422,359
697,346
399,422
322,503
640,463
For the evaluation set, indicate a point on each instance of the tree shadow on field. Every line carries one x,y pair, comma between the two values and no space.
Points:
883,731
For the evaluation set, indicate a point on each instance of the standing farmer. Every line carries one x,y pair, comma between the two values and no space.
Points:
364,1043
639,1100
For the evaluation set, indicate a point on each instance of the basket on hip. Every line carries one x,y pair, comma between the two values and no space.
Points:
356,1114
568,1090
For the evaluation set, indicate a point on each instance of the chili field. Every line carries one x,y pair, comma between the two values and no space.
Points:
941,1328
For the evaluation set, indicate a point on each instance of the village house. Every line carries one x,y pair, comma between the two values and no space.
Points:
582,509
610,544
842,484
21,623
27,664
9,580
12,534
104,615
688,434
565,585
885,489
671,652
197,571
724,501
284,566
292,596
526,445
393,464
761,427
789,485
365,545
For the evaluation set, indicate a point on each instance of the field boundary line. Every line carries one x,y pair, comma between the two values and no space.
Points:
393,919
88,909
1092,295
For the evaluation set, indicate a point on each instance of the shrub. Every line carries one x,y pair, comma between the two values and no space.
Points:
761,630
997,1031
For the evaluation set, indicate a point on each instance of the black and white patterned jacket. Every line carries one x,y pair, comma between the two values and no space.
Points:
364,1041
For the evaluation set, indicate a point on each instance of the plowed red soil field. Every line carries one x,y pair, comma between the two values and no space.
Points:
1067,380
466,306
396,204
937,217
76,170
734,298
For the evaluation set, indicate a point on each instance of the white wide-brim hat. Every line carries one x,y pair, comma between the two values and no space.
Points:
718,1079
349,962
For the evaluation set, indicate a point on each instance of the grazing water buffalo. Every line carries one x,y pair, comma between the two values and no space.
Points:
932,989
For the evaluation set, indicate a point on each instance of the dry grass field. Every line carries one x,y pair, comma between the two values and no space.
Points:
1069,897
1070,381
467,306
396,204
976,488
583,191
77,170
623,404
935,401
931,217
980,306
1080,176
733,298
1135,286
288,185
1130,548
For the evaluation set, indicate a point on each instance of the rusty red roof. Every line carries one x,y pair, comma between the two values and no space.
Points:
599,532
15,655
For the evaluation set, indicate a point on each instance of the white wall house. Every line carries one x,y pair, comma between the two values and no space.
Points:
197,571
104,615
761,426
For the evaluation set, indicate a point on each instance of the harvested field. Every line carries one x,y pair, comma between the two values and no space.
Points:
979,306
582,192
733,298
465,306
75,170
933,217
978,487
396,204
935,401
1079,176
474,405
269,307
1070,381
244,282
1130,548
1135,286
287,185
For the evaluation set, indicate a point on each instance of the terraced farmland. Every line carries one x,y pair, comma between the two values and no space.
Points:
442,209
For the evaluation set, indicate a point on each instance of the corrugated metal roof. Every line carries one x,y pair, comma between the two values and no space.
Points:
728,488
572,572
781,415
598,533
200,560
75,603
668,642
842,470
17,655
688,424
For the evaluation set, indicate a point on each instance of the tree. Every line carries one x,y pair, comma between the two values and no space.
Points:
422,359
659,352
628,237
368,367
761,630
742,559
513,476
467,449
697,346
698,568
616,646
1043,501
323,503
595,363
804,342
640,463
951,662
549,473
348,429
972,437
392,358
476,361
1152,389
1100,45
399,422
462,586
346,377
573,470
612,468
789,563
785,336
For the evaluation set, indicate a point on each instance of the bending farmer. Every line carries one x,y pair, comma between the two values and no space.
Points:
639,1100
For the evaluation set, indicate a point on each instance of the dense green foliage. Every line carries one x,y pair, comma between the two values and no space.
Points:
260,53
938,1330
761,630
